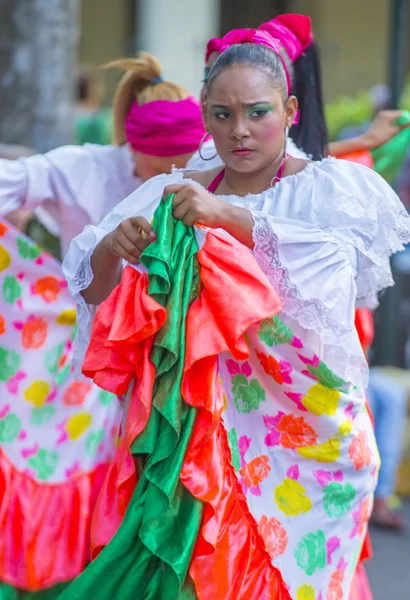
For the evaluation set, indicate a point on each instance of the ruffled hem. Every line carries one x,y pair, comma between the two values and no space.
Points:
119,350
45,528
230,560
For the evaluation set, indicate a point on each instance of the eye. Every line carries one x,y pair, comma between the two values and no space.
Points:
223,115
258,113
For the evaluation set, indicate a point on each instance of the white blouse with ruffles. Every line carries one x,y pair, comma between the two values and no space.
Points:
323,236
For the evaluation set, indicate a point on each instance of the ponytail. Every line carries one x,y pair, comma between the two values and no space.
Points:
310,134
142,83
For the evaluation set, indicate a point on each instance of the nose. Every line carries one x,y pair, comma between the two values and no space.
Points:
240,128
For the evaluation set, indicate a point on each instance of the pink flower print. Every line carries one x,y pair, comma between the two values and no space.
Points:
4,411
272,438
243,446
13,382
349,412
293,472
61,427
297,399
28,452
332,545
235,368
324,477
22,435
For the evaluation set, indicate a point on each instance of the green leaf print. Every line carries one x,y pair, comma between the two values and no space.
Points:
93,441
106,398
44,463
310,553
42,414
62,375
338,498
27,250
274,332
9,428
52,358
246,396
233,444
11,289
9,363
326,377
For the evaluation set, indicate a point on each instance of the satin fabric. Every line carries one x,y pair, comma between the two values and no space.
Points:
152,549
188,463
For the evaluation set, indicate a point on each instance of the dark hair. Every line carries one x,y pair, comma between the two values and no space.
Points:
310,135
252,55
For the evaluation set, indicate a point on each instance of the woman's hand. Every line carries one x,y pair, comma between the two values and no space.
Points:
383,129
130,239
192,204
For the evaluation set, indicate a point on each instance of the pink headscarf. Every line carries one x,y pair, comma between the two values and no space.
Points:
241,36
293,31
247,36
164,128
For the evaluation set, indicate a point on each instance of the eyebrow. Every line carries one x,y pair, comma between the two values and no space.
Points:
245,105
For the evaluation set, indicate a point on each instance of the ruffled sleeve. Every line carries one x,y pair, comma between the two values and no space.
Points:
77,262
358,208
314,276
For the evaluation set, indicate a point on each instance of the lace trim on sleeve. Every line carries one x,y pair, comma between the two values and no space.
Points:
310,313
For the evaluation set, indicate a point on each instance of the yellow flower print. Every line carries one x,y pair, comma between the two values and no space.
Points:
327,452
77,425
291,498
67,317
321,400
305,592
345,428
37,392
5,259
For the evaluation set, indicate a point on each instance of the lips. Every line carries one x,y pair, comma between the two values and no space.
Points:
242,151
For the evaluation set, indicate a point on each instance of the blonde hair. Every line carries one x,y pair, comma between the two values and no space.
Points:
137,85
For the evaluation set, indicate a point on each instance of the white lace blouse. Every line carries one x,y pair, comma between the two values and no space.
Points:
323,237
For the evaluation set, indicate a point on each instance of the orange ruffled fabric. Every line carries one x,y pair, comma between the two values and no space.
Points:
230,560
51,550
123,332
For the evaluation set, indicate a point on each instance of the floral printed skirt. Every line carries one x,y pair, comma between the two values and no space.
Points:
304,451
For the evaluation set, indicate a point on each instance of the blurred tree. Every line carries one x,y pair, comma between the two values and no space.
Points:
38,52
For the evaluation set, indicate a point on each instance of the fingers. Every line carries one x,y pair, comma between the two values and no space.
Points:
141,224
131,238
173,188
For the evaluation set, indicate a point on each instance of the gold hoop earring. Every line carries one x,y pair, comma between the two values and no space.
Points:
200,148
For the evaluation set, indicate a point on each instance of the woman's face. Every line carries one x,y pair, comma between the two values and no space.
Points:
147,166
246,117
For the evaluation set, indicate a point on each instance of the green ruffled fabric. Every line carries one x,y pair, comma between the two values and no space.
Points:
149,557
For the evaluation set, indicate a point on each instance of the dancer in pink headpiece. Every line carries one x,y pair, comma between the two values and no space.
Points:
301,57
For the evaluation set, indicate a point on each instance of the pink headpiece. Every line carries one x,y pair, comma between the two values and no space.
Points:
164,128
247,36
293,31
241,36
